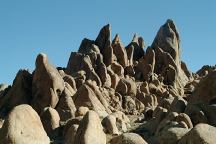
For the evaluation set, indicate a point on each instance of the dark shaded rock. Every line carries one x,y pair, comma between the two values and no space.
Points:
200,134
86,97
51,121
19,93
136,47
205,70
103,41
66,107
167,50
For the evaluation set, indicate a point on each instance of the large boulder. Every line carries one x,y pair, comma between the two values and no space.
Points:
126,86
47,84
171,135
86,97
51,121
19,93
23,126
66,107
205,91
128,138
200,134
116,123
90,130
167,54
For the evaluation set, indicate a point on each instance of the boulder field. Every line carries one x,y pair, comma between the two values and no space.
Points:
112,94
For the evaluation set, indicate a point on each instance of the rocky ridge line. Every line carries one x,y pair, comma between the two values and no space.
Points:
112,94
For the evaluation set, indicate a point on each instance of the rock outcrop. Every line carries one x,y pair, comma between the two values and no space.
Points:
47,84
23,126
112,94
90,130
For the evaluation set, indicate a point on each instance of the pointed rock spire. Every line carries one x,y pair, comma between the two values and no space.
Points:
104,37
103,41
119,51
168,40
167,54
138,44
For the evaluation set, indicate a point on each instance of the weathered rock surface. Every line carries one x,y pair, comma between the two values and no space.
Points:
23,126
51,121
19,93
200,134
90,130
109,93
47,84
128,138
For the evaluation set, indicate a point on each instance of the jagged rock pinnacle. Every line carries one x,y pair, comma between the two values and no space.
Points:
108,89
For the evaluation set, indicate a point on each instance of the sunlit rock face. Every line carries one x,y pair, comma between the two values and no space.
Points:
110,93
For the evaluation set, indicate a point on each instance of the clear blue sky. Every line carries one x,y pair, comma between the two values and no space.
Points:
56,27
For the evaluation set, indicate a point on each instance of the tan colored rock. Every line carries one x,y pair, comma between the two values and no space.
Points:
103,41
70,89
47,84
117,69
129,105
99,94
70,80
182,117
138,46
51,121
144,87
86,46
178,105
120,52
128,138
86,97
66,107
122,87
116,123
23,126
114,80
147,99
109,123
3,87
90,130
126,86
19,93
171,135
74,63
104,76
80,78
81,111
205,91
167,51
200,134
196,114
146,65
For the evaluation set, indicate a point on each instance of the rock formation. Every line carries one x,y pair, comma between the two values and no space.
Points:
109,93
